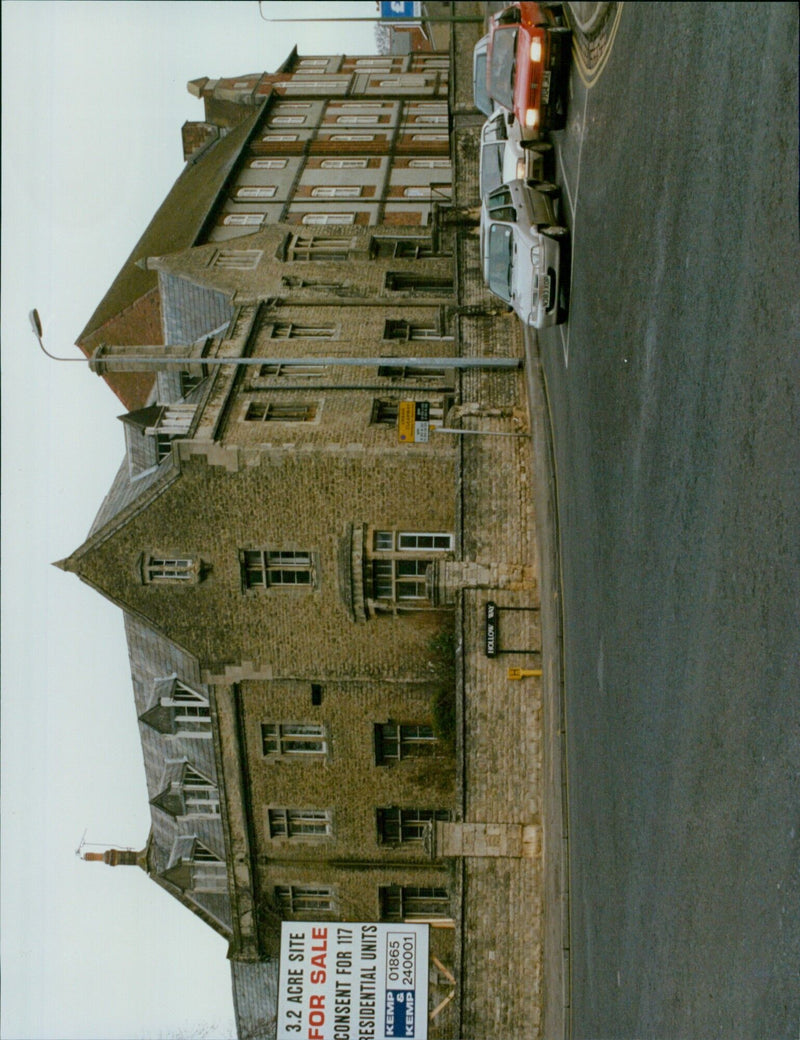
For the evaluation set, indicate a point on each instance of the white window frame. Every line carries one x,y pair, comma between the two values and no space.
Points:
243,219
268,164
336,191
344,164
356,120
352,137
169,570
287,120
328,218
280,137
200,795
256,191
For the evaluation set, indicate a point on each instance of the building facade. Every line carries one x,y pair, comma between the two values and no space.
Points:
301,581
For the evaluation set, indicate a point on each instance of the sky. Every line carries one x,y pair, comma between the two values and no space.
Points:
93,100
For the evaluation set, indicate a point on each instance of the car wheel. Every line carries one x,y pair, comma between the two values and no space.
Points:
546,188
542,147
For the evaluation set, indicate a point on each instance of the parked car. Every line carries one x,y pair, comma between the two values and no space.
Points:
525,251
479,89
527,66
502,156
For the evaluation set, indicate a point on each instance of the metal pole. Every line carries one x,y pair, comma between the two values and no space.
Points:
162,361
107,361
482,433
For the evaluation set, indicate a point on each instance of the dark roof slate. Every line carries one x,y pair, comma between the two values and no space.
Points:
255,999
190,311
153,659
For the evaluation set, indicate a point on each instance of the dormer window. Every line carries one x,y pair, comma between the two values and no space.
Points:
194,867
149,433
187,793
178,711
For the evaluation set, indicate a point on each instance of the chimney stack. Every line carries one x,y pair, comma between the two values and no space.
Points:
117,857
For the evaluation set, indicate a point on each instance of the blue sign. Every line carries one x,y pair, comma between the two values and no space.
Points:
400,1012
396,10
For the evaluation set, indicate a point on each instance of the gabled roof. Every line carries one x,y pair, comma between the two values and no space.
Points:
121,317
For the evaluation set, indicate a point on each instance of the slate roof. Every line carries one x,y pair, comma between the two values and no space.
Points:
189,311
153,659
255,999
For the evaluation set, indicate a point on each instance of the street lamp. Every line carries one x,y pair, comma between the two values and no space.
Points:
36,325
101,362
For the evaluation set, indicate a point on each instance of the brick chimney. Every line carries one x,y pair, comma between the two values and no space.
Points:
117,857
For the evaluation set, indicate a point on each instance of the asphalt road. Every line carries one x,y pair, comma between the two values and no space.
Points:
674,393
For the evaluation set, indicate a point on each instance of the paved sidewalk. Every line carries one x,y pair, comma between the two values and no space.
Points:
556,968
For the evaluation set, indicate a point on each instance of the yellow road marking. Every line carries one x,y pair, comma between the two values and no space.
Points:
589,77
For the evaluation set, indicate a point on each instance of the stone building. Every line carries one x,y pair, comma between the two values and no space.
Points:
302,581
336,140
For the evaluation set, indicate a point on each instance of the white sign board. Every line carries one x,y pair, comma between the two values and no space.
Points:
353,981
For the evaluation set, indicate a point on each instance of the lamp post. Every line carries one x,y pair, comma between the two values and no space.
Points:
36,325
101,362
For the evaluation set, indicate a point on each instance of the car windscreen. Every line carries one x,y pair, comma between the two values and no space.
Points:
500,257
491,167
480,94
501,70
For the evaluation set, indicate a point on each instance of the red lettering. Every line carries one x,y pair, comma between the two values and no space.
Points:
318,978
317,1018
317,1000
314,1034
319,933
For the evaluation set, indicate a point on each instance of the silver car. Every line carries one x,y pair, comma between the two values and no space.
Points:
503,157
479,92
525,251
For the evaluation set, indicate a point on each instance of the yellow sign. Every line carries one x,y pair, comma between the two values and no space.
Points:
522,673
406,412
413,421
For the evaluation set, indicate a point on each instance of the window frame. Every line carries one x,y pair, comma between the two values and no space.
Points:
297,901
410,740
284,824
310,738
265,569
433,903
399,826
169,569
258,411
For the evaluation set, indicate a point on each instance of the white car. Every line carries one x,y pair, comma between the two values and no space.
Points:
525,251
503,157
480,93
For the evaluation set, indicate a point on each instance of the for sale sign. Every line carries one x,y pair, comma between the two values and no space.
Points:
353,981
